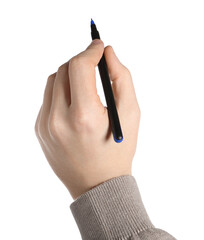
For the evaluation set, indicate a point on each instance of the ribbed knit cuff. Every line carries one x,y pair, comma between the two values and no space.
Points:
111,210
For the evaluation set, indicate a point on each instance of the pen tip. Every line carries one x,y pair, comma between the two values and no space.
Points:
92,21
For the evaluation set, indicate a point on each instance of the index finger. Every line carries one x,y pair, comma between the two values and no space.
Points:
82,74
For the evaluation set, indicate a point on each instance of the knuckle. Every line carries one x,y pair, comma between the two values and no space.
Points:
54,125
42,132
76,62
126,70
36,129
62,68
81,121
51,77
36,126
41,129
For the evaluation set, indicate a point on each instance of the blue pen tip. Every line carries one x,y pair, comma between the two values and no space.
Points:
118,140
92,21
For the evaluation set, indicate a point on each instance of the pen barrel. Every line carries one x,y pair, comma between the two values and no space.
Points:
112,111
94,32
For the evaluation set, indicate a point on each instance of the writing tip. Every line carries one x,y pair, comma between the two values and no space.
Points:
92,21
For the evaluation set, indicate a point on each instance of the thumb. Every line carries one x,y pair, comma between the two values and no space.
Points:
122,84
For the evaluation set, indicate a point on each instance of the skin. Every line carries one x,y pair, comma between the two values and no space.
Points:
73,127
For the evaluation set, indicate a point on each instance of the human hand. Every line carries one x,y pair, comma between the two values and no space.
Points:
73,125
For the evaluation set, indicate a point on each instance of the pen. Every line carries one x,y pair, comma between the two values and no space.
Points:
112,111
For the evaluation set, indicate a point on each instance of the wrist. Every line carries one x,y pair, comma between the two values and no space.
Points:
90,182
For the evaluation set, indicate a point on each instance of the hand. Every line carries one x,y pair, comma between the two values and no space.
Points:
73,125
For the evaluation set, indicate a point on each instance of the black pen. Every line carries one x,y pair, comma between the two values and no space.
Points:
112,111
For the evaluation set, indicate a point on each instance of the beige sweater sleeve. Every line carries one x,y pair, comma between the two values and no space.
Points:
114,210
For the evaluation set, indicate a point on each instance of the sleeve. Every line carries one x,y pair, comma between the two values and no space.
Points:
114,210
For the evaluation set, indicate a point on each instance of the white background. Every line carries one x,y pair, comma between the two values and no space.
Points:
162,43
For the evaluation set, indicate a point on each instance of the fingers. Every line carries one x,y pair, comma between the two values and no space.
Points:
61,91
120,76
82,74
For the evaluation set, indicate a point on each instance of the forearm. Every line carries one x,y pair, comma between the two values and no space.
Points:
114,210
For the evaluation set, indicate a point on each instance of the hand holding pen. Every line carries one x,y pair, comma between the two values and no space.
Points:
73,126
80,136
